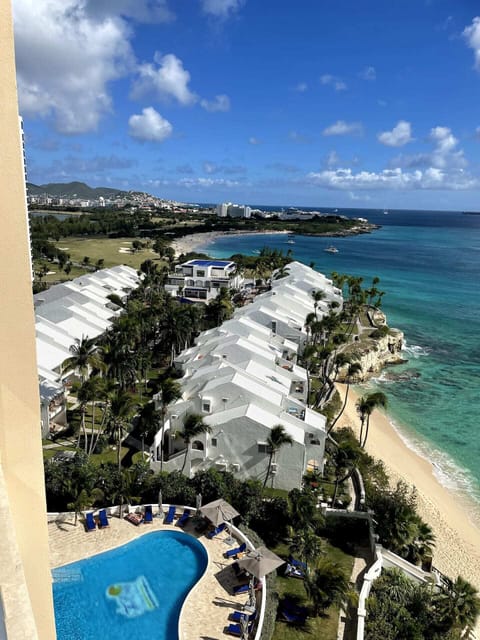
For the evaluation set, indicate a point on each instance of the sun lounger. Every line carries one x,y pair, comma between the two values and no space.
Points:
102,518
216,531
241,588
148,514
134,518
170,515
294,572
90,522
184,518
293,618
298,564
233,553
236,629
237,616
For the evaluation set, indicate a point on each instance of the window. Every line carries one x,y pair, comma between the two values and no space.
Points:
262,447
214,442
200,273
206,406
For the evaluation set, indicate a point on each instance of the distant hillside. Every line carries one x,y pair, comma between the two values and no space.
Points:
72,190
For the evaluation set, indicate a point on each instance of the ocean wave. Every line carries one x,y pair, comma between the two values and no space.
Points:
415,351
448,473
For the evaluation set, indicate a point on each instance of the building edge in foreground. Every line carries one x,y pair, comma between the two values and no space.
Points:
25,582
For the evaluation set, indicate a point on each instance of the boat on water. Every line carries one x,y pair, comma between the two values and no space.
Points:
385,212
331,249
291,238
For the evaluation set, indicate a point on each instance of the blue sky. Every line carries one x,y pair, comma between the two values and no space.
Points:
314,102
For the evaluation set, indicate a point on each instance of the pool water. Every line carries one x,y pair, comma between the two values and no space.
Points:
136,590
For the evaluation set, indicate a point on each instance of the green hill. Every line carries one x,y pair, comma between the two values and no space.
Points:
72,190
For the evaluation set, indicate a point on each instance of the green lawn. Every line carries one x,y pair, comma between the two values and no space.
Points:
108,249
324,627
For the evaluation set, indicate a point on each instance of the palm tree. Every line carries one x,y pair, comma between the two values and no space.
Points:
275,441
148,420
327,585
193,426
371,402
354,368
82,357
317,296
458,604
121,409
170,391
307,545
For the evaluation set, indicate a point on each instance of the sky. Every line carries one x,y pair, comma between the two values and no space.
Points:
317,102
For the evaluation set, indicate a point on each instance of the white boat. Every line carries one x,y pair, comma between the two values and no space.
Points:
385,212
331,249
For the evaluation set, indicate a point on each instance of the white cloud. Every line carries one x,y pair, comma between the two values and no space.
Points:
221,8
337,83
431,178
368,73
253,140
444,154
400,135
149,126
221,103
147,11
65,60
342,128
165,79
332,159
472,36
208,182
301,87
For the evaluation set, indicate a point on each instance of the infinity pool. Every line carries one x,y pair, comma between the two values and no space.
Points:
136,590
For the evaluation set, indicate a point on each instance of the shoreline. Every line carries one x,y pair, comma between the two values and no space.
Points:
191,242
457,550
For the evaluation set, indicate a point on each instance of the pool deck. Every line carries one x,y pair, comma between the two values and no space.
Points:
208,605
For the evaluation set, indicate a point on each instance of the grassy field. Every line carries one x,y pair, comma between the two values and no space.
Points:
108,249
324,626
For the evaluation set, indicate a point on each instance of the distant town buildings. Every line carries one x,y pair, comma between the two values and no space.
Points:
201,280
233,210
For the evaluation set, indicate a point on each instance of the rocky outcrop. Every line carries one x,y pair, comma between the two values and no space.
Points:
375,347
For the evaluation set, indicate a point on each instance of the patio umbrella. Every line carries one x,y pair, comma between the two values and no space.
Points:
219,511
260,561
160,505
198,501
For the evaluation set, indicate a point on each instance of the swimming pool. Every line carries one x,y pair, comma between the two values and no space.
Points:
136,590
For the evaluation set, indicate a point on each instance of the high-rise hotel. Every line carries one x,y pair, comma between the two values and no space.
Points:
26,606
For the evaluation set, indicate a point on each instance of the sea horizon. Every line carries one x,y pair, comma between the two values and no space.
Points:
428,265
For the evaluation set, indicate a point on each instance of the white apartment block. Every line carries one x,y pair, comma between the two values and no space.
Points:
201,280
233,210
242,378
64,314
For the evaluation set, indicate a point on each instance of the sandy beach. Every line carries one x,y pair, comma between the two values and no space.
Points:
195,240
457,549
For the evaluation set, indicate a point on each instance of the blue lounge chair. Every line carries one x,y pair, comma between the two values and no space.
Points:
148,515
241,588
232,553
293,618
184,518
216,531
294,572
89,521
103,520
170,515
298,564
236,629
237,616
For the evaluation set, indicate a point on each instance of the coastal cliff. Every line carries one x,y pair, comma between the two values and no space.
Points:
375,346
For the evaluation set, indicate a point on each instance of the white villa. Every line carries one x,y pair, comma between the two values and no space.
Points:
242,378
201,280
68,312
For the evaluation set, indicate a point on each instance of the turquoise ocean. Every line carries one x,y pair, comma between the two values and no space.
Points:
428,263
